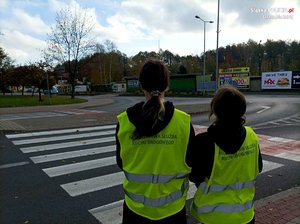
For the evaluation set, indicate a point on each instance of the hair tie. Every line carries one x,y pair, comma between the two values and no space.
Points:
155,93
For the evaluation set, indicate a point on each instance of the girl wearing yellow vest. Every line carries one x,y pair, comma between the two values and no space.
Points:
226,164
154,142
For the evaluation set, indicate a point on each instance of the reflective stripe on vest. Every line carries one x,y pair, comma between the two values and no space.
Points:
219,188
157,202
226,208
152,178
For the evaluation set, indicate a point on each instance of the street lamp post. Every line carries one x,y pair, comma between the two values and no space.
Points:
217,48
204,23
259,58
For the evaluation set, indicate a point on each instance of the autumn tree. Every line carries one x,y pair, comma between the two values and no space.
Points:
21,76
70,39
5,65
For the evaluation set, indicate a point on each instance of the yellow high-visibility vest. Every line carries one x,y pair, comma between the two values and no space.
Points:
156,174
227,196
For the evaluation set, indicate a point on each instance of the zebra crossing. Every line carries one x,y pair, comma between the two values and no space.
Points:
61,153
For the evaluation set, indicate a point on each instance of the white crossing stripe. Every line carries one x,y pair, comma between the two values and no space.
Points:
66,145
63,137
109,213
289,156
72,154
112,213
93,184
64,131
283,140
81,166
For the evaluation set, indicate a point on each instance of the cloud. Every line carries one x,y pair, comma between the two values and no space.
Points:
56,5
31,23
135,25
3,4
24,22
22,47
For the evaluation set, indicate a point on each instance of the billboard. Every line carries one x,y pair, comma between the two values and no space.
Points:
296,80
238,77
276,80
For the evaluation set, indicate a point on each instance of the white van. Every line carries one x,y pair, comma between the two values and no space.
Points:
53,90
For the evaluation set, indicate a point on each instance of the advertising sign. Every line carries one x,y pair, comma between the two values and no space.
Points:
225,79
234,70
276,80
132,83
241,81
238,77
296,80
80,88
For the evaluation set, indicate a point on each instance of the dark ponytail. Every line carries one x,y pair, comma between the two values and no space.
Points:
154,78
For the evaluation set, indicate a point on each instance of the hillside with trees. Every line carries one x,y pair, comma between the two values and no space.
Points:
106,64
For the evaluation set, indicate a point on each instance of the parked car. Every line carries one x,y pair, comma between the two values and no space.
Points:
53,90
7,91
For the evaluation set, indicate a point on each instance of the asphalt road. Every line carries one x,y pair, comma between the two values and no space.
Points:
70,176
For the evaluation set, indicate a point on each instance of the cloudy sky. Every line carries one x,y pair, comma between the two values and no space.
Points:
140,25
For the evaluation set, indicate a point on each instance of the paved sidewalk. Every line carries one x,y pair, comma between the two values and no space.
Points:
283,207
280,208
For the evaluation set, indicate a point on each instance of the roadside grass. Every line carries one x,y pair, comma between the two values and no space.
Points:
26,100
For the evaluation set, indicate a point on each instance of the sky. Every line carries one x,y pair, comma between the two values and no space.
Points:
150,25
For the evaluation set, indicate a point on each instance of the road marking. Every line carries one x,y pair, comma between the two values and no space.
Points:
66,145
268,166
283,140
112,213
57,113
93,184
9,165
63,137
64,131
80,166
289,156
32,115
288,121
72,154
265,108
109,213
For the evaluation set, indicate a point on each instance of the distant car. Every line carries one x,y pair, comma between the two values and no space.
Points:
29,90
53,90
7,91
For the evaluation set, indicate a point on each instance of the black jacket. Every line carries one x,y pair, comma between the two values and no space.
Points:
228,138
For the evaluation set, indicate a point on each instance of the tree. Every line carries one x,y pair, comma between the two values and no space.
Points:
182,70
21,76
40,77
110,47
5,65
70,40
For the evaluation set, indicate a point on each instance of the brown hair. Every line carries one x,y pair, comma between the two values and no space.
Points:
153,78
229,106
